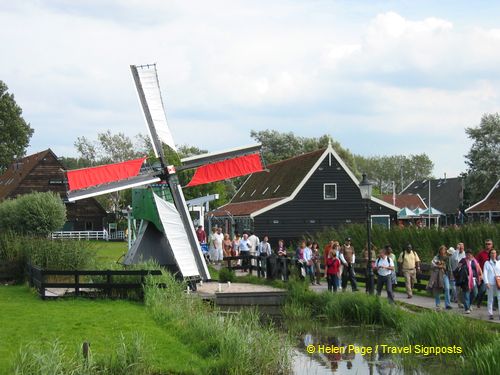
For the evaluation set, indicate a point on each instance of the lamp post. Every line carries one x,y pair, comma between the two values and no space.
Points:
366,194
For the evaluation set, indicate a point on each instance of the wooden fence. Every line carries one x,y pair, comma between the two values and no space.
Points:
82,281
283,266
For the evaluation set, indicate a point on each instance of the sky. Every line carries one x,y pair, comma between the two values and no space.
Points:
381,77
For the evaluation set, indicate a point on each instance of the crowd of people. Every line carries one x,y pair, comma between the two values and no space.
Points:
455,273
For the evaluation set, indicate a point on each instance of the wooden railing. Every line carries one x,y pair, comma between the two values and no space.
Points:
84,280
283,266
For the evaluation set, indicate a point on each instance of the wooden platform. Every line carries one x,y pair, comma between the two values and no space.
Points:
235,296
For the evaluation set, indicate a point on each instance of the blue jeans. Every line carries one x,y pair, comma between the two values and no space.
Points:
437,295
469,296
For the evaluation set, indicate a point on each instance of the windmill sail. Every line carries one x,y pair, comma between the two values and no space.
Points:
148,90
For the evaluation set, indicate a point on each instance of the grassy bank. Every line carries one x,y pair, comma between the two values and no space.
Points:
172,333
478,340
26,319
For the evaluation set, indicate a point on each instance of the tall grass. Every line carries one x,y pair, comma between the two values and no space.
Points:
129,357
485,360
425,240
238,343
426,328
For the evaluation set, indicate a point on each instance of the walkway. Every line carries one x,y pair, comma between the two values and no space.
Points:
428,303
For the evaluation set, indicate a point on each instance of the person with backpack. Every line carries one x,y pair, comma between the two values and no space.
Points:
385,267
492,280
467,276
409,264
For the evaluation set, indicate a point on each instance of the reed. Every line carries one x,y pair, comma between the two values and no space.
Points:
237,343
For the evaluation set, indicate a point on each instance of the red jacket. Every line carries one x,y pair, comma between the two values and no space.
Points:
482,257
332,266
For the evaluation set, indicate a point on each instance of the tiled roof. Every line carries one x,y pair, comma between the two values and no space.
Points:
16,173
244,208
280,181
446,193
490,203
411,201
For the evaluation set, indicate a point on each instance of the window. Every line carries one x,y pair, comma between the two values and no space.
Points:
329,191
253,192
277,187
264,192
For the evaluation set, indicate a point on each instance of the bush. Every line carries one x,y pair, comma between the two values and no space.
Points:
35,213
225,275
425,240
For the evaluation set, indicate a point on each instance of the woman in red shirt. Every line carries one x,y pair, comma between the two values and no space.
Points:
332,271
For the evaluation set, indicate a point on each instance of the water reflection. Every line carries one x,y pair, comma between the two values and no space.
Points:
347,351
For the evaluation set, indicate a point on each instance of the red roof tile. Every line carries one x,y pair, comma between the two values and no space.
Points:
411,201
244,208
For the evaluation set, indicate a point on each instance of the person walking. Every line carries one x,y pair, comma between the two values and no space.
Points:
455,256
409,264
332,271
308,262
316,262
492,281
227,246
348,258
264,251
438,281
385,267
218,239
467,276
201,235
482,257
282,263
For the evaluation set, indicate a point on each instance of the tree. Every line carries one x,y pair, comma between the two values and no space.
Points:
278,146
483,158
400,169
35,213
15,131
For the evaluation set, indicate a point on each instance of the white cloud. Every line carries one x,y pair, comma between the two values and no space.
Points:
235,66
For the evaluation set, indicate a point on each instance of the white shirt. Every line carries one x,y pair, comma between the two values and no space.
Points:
217,239
265,248
253,242
491,269
307,254
386,262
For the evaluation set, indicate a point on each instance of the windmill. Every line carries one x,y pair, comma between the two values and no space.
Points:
166,233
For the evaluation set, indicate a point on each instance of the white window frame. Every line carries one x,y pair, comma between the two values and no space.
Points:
324,191
384,216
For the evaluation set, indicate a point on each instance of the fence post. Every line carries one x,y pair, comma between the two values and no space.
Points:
77,283
108,283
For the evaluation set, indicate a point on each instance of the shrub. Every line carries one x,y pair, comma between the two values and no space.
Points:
225,275
35,213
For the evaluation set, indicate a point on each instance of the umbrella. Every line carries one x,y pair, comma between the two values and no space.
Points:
406,213
418,211
432,212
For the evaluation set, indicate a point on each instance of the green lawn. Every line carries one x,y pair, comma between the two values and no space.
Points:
109,252
25,318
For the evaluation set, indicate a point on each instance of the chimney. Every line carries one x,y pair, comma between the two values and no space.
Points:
445,176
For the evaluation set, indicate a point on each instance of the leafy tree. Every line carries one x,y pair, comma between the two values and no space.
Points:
400,169
483,158
278,146
35,213
15,131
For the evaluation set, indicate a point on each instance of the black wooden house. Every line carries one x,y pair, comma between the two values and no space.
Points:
300,196
43,172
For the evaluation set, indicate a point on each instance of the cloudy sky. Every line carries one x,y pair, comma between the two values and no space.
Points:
381,77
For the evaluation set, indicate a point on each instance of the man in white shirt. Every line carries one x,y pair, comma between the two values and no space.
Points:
253,243
385,267
308,261
217,240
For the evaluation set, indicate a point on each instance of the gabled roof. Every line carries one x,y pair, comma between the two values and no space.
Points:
264,191
18,171
490,203
411,201
281,179
446,193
